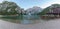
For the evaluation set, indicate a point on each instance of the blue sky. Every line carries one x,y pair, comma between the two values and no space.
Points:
30,3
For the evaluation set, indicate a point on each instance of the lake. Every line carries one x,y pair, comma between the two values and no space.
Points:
23,19
26,19
33,21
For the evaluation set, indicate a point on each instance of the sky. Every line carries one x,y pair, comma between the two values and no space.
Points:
30,3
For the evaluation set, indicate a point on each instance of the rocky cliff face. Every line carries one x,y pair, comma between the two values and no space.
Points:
9,7
34,10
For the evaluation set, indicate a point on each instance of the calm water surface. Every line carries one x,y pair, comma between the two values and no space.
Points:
23,19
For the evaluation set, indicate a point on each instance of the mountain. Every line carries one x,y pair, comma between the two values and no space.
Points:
34,10
54,8
8,8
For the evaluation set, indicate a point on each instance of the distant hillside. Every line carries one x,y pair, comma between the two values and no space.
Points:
9,8
34,10
50,8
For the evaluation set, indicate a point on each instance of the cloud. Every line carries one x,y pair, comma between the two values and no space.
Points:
1,1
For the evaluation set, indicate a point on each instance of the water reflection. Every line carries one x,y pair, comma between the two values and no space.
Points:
30,19
23,19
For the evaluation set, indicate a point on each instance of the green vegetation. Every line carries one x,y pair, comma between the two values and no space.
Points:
44,11
49,8
9,8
